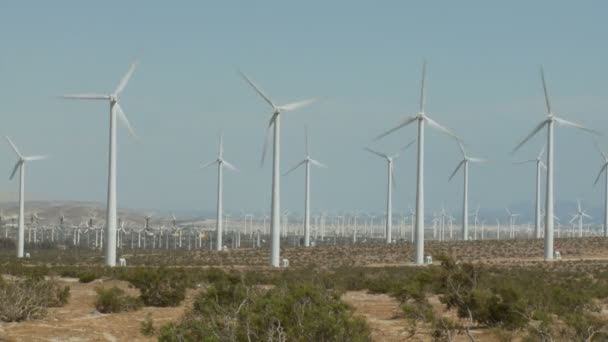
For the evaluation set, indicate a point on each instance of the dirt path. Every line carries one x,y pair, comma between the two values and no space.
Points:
78,320
381,313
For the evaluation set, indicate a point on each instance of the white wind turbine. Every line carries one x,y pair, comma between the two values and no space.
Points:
115,110
549,122
603,169
275,121
537,213
308,161
221,162
465,199
21,166
580,214
390,183
421,118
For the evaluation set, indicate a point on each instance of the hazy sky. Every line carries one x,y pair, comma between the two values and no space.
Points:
363,57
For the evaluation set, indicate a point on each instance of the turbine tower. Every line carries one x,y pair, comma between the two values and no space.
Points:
421,118
275,122
465,197
115,110
390,183
21,166
221,162
308,161
539,166
549,122
603,169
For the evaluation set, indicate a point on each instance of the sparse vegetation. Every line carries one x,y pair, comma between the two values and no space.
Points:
159,287
230,310
30,298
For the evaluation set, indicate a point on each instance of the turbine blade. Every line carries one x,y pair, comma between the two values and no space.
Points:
599,149
318,163
382,155
32,158
476,160
208,164
543,164
85,97
230,166
399,126
123,117
15,169
600,173
408,145
125,79
299,104
422,87
14,147
295,167
306,138
221,147
578,203
587,216
456,169
542,151
525,161
575,125
529,136
437,126
542,76
464,154
258,90
266,139
393,180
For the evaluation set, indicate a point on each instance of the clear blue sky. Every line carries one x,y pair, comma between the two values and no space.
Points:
364,57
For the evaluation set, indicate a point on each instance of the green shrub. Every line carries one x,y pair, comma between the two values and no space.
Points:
147,326
114,299
291,311
160,287
87,277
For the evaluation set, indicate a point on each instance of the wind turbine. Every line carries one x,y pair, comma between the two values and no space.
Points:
549,122
308,161
390,182
275,122
421,118
221,162
539,166
603,169
580,214
115,110
21,166
512,218
465,199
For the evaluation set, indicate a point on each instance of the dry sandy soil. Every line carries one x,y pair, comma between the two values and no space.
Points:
79,321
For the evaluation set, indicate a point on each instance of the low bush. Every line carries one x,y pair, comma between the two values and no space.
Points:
291,311
160,286
114,299
87,276
30,298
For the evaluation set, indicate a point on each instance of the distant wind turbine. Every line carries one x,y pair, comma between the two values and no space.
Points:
580,214
465,199
603,169
389,192
549,122
115,110
308,161
537,213
421,118
221,162
21,166
275,211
